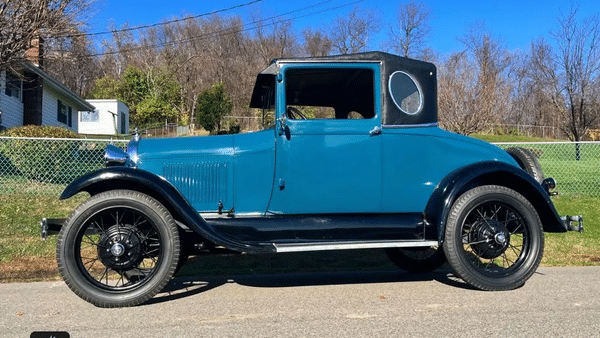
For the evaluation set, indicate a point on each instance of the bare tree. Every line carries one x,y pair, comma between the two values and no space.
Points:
274,39
457,83
22,21
474,89
533,87
350,34
70,60
410,36
316,43
572,72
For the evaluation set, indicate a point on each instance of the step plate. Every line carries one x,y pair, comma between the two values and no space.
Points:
323,246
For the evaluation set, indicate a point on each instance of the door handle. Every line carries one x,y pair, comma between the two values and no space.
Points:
282,121
375,131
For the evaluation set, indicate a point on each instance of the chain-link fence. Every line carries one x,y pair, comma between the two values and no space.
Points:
574,165
46,166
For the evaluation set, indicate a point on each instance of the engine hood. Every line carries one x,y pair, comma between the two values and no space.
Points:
153,153
207,170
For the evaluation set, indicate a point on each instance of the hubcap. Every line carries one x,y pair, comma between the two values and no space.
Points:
117,249
500,238
120,248
491,238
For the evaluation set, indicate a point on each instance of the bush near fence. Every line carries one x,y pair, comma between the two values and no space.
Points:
44,166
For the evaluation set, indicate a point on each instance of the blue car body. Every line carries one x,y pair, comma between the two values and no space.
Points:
354,159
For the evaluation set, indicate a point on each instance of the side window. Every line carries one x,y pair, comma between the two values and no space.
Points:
330,93
406,93
64,114
13,86
90,116
123,123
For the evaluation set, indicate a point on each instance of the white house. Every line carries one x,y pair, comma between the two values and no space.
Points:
33,97
110,117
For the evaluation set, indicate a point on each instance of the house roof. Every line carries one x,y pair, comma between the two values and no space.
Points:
59,87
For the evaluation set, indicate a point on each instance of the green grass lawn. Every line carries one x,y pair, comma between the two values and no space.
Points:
512,138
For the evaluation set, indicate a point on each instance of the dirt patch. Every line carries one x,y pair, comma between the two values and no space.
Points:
28,269
592,258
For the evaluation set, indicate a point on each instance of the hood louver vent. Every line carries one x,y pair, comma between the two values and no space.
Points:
202,184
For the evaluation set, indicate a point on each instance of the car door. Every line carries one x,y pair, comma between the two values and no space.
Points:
328,152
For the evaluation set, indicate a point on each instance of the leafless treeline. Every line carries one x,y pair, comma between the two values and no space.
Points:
554,83
22,21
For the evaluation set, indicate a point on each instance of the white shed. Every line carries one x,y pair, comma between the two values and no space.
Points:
111,117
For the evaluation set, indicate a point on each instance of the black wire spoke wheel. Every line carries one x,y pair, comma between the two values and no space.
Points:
119,248
494,238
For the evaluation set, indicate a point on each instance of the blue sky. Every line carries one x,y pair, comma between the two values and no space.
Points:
516,22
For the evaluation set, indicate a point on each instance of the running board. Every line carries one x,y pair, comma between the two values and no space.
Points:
323,246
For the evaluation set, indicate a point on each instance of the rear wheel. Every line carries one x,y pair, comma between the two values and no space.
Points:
119,248
419,259
494,238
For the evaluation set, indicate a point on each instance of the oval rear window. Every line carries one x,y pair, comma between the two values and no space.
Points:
405,93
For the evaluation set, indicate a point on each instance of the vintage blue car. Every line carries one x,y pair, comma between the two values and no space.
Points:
354,159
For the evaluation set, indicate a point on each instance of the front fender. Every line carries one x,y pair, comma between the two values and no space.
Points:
157,187
490,173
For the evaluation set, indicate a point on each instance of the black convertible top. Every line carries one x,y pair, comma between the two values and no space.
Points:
423,73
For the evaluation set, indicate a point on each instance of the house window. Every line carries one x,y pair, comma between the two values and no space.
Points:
13,86
64,114
90,116
123,123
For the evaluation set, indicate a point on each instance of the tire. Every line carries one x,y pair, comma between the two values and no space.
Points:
493,238
183,258
417,260
528,162
119,248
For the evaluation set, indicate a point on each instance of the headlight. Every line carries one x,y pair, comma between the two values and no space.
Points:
115,156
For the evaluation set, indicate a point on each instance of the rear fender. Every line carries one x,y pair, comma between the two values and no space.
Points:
489,173
160,189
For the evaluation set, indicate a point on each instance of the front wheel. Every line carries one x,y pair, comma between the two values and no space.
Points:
119,248
494,239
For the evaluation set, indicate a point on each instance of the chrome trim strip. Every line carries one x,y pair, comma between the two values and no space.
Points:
292,61
393,126
224,214
350,245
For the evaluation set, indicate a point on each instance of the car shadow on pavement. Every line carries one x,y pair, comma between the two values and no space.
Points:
188,286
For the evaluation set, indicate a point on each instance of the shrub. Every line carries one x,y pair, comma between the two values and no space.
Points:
41,160
39,131
212,105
